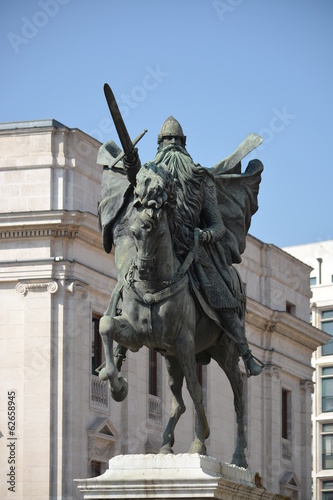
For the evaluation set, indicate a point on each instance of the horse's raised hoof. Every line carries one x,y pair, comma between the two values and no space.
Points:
121,393
166,449
198,447
240,461
103,374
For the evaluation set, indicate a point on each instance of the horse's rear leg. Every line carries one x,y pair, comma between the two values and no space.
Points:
236,381
227,358
176,378
186,358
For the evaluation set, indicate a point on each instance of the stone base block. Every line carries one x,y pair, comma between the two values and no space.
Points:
173,476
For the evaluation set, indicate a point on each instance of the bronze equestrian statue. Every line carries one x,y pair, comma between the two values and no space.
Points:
177,229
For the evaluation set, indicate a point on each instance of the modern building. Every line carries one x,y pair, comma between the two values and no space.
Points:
57,421
320,257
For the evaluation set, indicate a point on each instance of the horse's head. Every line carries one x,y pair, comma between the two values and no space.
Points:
153,196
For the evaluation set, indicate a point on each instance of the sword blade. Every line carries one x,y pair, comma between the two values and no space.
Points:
250,142
118,120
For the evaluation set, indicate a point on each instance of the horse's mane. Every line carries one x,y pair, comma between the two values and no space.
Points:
155,189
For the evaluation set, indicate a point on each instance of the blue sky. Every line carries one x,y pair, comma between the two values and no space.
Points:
223,68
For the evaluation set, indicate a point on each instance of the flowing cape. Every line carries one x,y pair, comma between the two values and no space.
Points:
237,197
115,194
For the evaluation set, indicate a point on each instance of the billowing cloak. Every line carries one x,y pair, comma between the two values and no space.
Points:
115,207
237,197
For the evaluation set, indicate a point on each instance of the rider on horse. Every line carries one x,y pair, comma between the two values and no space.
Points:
215,208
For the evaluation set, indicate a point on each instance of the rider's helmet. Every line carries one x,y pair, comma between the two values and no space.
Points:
171,128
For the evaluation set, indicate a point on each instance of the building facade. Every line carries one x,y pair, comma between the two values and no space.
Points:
57,420
320,257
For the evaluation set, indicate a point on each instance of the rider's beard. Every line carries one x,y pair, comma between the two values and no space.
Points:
189,180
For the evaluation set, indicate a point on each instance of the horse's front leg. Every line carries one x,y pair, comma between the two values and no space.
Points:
176,377
118,386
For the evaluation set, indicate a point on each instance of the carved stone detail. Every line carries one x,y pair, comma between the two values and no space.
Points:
23,288
270,326
36,233
104,453
77,287
307,386
272,371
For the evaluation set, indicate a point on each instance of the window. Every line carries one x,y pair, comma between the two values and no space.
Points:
327,349
202,379
327,388
290,308
155,373
246,402
152,372
327,326
327,485
286,414
96,344
320,262
327,321
154,388
95,468
313,281
327,436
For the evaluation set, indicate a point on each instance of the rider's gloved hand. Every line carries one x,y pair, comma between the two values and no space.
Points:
132,165
205,235
131,158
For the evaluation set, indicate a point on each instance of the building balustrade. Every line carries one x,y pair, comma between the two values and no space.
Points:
154,408
99,392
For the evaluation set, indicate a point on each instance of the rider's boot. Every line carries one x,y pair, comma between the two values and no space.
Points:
251,366
236,327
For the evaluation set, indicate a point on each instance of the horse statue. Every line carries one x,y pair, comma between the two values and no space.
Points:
160,311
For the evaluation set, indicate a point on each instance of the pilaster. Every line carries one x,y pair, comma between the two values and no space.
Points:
306,391
271,425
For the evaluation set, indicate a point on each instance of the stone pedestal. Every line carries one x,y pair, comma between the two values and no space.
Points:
173,476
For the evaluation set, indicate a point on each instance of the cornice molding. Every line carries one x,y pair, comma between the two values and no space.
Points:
39,233
51,224
283,323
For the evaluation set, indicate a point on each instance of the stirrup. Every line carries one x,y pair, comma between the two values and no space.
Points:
257,365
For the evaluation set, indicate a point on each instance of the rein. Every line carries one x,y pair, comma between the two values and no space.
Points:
172,286
182,270
153,298
193,255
